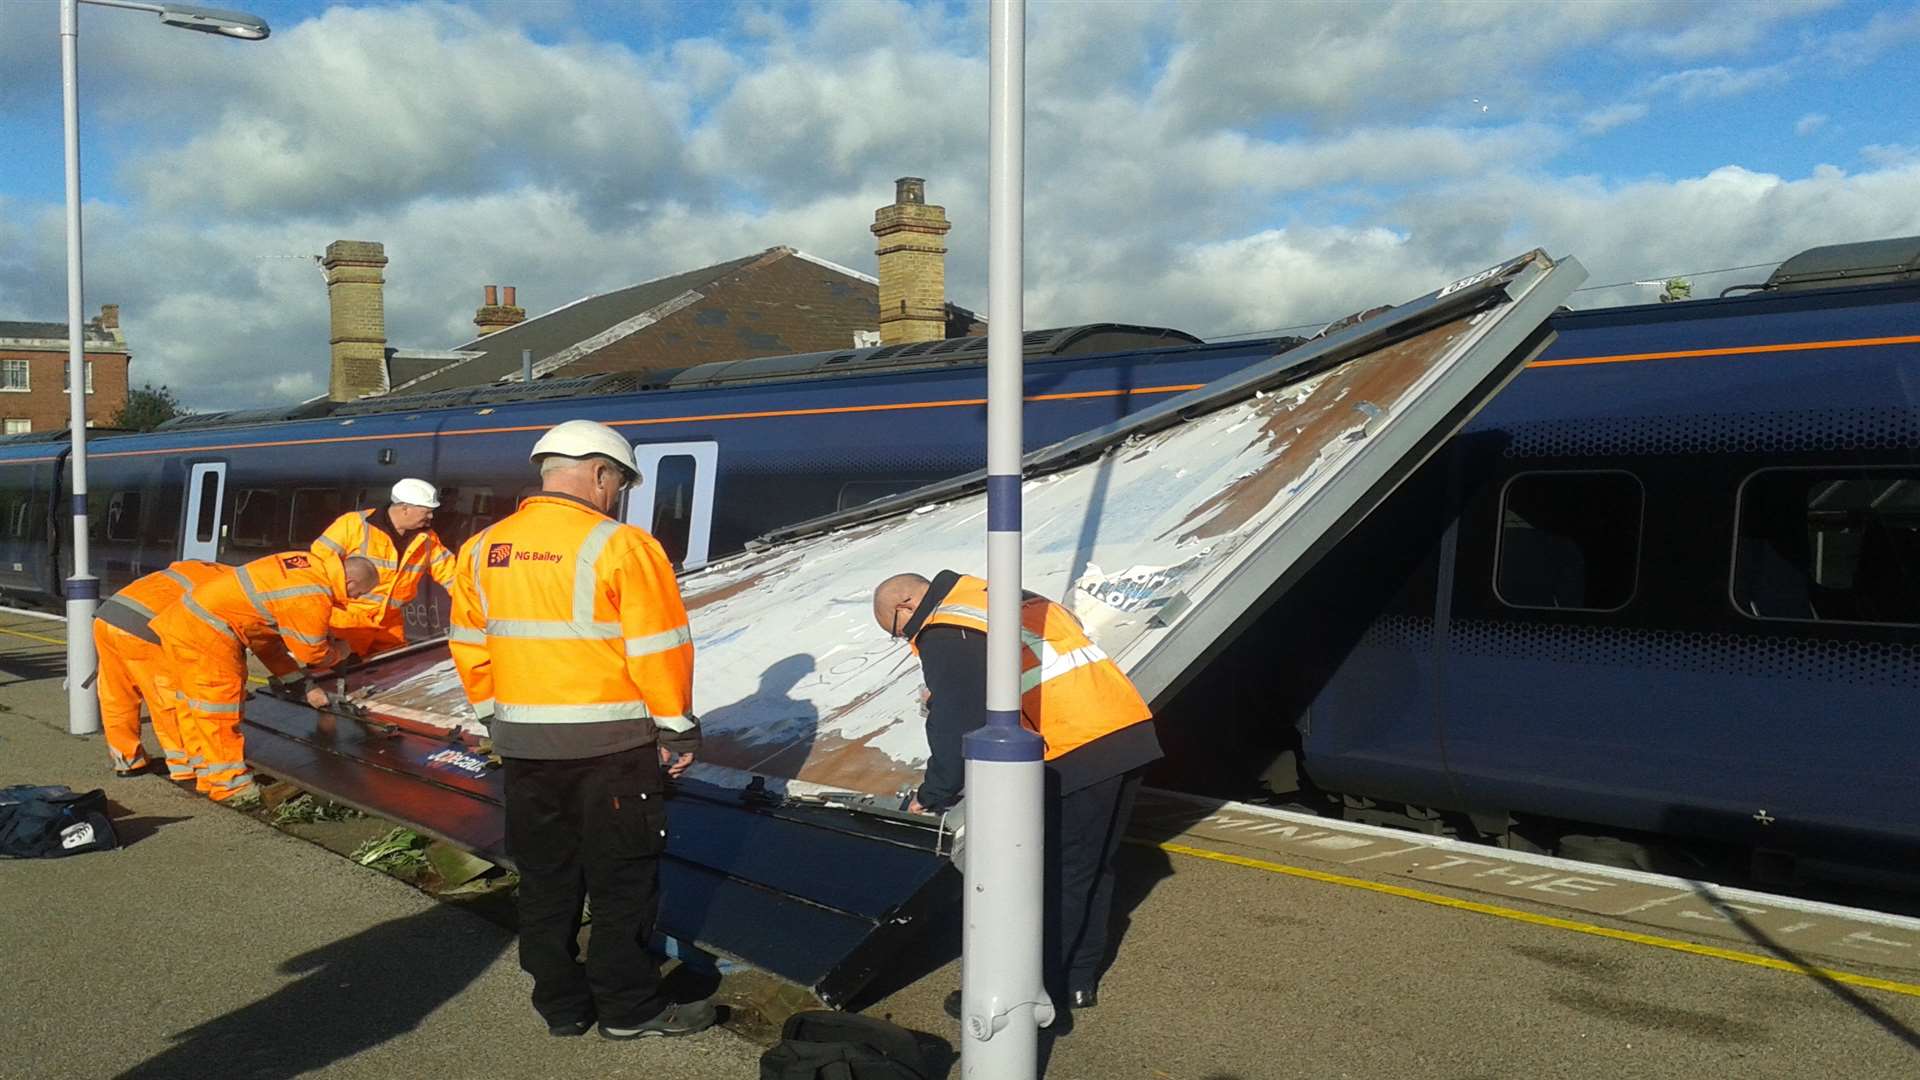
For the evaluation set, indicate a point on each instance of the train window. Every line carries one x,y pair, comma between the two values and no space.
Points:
123,516
672,519
1828,545
257,521
208,501
313,510
860,492
1569,541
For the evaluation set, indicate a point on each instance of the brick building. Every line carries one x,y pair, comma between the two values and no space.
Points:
33,369
771,303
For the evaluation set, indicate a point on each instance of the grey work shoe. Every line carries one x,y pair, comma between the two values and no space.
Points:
684,1018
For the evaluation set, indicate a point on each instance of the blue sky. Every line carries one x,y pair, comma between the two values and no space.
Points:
1217,167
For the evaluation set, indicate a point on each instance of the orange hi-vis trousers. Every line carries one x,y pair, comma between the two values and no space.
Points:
211,677
133,671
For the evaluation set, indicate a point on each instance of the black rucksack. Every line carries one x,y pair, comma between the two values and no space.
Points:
828,1045
48,822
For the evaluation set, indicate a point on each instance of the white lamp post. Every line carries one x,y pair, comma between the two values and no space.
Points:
83,589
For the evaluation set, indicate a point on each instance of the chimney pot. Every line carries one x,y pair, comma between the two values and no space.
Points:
493,295
509,297
910,191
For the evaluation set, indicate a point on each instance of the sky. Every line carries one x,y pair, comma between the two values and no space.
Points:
1223,168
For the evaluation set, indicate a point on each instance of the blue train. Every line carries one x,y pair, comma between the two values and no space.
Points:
1666,584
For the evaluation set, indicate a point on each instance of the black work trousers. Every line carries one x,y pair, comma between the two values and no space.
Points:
589,827
1084,830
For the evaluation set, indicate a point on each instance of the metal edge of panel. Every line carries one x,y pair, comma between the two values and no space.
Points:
1499,354
1444,304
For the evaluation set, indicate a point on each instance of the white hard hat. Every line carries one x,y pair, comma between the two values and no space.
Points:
416,493
585,438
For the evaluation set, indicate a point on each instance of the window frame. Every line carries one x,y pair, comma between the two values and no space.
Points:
26,380
1733,544
25,422
1500,538
66,376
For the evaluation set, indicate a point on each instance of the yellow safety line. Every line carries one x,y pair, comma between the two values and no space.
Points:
58,641
1738,957
33,637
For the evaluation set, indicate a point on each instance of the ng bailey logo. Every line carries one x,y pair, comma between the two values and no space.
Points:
499,554
295,562
458,760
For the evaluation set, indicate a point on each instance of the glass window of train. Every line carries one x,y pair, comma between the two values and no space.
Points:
123,516
1569,541
673,504
165,499
1828,545
313,510
209,504
257,521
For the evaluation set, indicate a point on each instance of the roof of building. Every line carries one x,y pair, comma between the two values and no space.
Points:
609,315
50,331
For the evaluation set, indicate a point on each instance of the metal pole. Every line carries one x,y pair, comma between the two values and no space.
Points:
1003,996
83,589
526,365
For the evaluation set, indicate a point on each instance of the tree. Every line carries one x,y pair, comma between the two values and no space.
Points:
148,407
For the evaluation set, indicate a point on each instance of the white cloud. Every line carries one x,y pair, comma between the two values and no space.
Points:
1601,121
1809,124
1887,30
1890,155
1213,167
1723,28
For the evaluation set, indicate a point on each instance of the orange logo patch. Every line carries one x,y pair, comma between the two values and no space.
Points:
295,562
499,554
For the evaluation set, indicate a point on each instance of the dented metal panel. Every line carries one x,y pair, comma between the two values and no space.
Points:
1162,533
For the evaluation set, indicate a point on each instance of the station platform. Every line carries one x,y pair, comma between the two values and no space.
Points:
1251,944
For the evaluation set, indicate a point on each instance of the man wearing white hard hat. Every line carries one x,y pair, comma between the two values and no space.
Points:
572,645
400,541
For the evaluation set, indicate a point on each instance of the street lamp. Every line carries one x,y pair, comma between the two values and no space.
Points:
83,589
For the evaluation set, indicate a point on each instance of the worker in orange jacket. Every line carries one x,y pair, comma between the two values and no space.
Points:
1098,733
400,542
572,644
279,607
133,667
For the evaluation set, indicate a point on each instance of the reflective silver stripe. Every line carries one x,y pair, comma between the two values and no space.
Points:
479,564
384,564
336,545
661,642
178,772
466,635
193,608
483,709
552,629
253,595
121,615
222,766
214,706
962,610
139,608
1054,664
599,712
176,755
297,590
441,556
366,530
243,780
674,723
585,584
179,579
304,639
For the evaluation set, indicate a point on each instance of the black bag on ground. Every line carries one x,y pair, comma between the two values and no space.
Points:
49,822
825,1045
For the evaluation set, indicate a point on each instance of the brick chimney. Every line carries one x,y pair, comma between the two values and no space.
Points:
498,313
912,248
356,299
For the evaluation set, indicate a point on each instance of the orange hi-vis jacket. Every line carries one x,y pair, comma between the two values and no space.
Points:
400,571
570,635
277,606
1071,693
132,608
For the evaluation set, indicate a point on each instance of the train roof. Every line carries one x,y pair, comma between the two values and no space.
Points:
1060,343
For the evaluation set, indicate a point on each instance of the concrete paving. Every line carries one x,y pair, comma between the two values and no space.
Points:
215,944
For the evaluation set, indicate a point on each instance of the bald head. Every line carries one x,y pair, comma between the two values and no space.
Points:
896,599
361,576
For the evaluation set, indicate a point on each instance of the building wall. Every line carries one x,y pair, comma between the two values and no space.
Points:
789,305
44,404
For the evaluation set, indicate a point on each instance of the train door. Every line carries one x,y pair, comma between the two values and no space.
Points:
206,488
675,499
